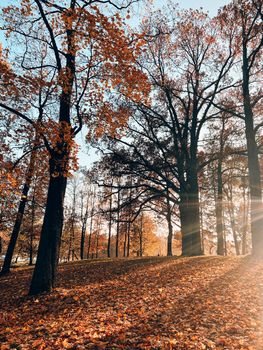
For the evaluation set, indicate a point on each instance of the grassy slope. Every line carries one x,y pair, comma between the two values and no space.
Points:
150,303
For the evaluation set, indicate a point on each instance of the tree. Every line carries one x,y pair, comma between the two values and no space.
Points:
186,75
144,241
22,204
86,54
247,19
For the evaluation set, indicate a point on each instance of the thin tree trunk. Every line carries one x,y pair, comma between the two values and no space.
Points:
129,225
91,222
232,219
219,210
170,227
73,240
125,242
233,227
83,231
224,237
244,221
110,224
141,236
90,234
201,224
129,239
32,233
118,225
20,213
98,236
97,245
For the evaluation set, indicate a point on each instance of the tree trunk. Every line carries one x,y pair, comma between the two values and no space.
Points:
219,210
109,232
91,222
256,207
129,239
69,247
224,237
201,223
244,221
20,213
97,246
118,225
219,197
82,242
84,219
141,236
125,243
233,227
190,221
232,218
90,234
170,227
129,224
15,232
32,233
73,244
48,252
31,250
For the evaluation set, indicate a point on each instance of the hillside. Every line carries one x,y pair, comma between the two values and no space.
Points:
150,303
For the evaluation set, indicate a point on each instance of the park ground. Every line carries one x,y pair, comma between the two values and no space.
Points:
148,303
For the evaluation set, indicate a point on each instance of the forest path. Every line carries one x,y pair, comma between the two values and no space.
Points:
150,303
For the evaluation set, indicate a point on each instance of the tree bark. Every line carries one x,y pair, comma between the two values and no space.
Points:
83,233
109,232
219,210
32,233
129,239
118,225
90,233
170,227
141,237
244,220
190,218
256,207
48,252
233,227
125,243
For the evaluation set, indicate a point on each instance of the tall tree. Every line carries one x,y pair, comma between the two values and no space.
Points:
186,75
247,19
86,55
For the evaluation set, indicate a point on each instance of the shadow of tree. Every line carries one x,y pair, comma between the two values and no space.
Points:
186,303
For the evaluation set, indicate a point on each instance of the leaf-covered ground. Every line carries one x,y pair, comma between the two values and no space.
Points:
160,303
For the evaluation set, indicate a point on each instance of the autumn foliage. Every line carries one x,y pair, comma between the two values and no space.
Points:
174,109
155,303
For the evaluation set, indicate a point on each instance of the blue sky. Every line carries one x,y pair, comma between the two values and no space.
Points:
208,5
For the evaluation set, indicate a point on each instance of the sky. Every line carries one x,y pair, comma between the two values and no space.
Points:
208,5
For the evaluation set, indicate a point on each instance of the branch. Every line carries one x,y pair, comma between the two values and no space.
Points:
55,48
31,122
